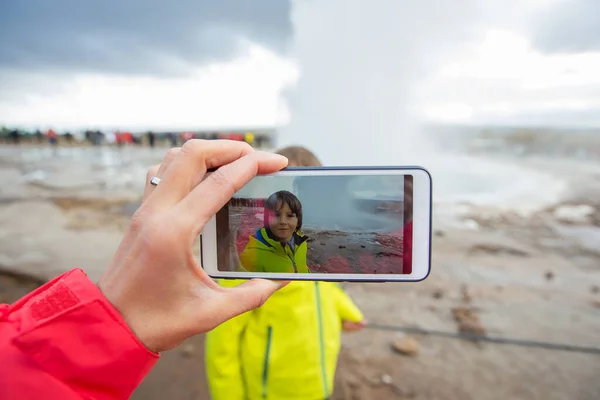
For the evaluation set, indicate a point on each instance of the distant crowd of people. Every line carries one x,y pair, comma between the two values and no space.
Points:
124,138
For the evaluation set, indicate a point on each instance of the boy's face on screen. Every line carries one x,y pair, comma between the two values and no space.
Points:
283,222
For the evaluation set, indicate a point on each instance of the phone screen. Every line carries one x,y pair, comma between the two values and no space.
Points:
342,224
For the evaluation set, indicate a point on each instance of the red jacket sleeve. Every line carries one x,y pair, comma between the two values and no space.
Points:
66,341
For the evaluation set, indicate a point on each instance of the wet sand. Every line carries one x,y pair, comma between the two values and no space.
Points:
526,276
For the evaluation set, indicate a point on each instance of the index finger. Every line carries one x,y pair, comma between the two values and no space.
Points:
215,191
190,164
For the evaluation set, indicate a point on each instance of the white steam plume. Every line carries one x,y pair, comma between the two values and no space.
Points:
361,63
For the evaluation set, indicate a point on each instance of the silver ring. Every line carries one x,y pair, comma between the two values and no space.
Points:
155,180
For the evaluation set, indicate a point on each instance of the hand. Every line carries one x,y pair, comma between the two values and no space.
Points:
349,326
154,280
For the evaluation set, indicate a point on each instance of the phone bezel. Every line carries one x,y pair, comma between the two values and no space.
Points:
422,227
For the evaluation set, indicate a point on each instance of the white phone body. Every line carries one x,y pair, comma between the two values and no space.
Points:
421,226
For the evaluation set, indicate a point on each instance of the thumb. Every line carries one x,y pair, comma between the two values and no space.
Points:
249,295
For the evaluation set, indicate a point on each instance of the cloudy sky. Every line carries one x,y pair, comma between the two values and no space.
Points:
191,64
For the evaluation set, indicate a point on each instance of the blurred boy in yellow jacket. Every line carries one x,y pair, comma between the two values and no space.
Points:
288,348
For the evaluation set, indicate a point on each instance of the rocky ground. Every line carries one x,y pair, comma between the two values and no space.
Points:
501,282
495,273
330,251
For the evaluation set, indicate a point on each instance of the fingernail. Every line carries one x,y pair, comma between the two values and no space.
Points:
273,155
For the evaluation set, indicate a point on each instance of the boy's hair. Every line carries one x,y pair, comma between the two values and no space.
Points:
299,156
283,197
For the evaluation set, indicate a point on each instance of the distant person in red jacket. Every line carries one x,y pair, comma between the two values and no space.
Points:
77,339
119,139
127,137
52,137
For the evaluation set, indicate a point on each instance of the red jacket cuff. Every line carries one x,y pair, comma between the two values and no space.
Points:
71,330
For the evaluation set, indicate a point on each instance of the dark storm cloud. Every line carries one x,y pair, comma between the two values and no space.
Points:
570,26
134,36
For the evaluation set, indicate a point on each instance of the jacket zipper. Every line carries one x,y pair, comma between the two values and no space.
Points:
291,259
266,361
293,263
321,340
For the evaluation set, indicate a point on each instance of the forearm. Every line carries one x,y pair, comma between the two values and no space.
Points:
69,342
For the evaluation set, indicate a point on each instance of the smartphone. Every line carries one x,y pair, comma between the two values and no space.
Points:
366,224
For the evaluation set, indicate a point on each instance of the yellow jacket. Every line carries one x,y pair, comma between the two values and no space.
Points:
264,254
287,349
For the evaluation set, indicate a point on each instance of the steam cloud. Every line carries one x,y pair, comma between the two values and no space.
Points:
361,65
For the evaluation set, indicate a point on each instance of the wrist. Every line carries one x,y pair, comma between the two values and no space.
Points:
153,330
